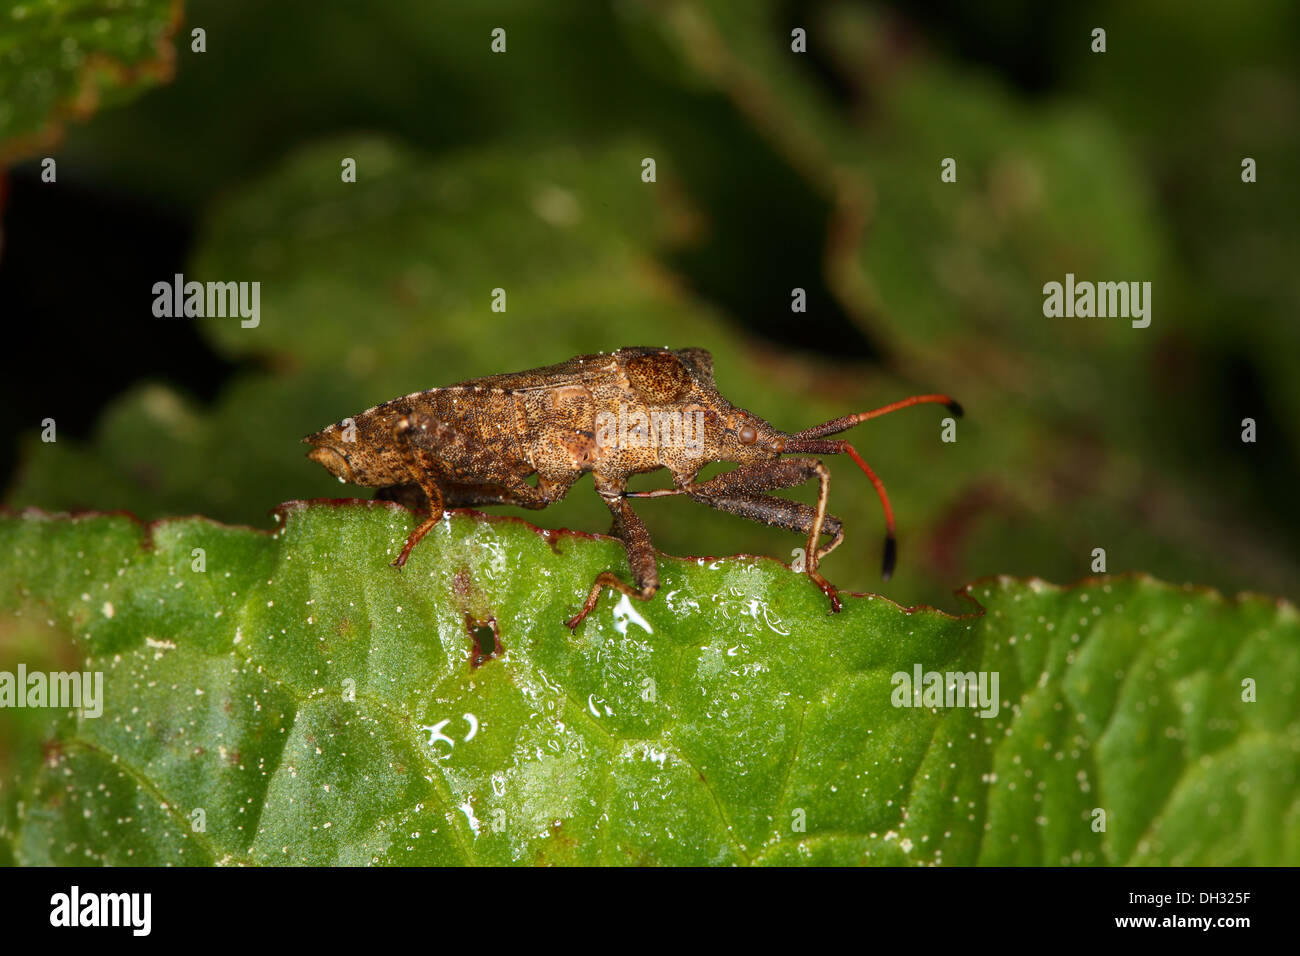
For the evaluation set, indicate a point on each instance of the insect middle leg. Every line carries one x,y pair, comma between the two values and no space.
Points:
640,556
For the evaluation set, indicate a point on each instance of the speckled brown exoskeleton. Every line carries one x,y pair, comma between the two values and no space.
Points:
635,410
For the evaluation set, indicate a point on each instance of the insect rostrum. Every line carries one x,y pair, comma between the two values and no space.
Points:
632,411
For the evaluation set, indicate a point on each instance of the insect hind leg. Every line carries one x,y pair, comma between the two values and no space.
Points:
410,496
436,457
414,434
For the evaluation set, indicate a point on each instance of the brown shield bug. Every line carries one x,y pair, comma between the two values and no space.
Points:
632,411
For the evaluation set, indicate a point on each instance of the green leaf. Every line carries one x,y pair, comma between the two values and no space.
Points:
62,59
319,706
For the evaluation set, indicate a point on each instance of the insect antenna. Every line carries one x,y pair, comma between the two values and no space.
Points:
813,441
837,425
838,446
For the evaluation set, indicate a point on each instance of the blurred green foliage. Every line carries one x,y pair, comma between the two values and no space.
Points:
775,170
62,59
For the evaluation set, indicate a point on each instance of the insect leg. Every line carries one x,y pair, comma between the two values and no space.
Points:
437,456
462,494
738,492
467,495
640,557
408,496
412,434
778,513
456,494
416,536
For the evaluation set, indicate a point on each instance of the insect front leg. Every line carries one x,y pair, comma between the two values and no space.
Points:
739,492
640,556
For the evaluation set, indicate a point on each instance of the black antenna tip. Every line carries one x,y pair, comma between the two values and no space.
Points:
956,409
891,557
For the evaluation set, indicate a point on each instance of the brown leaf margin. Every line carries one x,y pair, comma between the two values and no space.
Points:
965,593
84,101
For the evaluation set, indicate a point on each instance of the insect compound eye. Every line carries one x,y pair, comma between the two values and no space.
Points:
747,434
